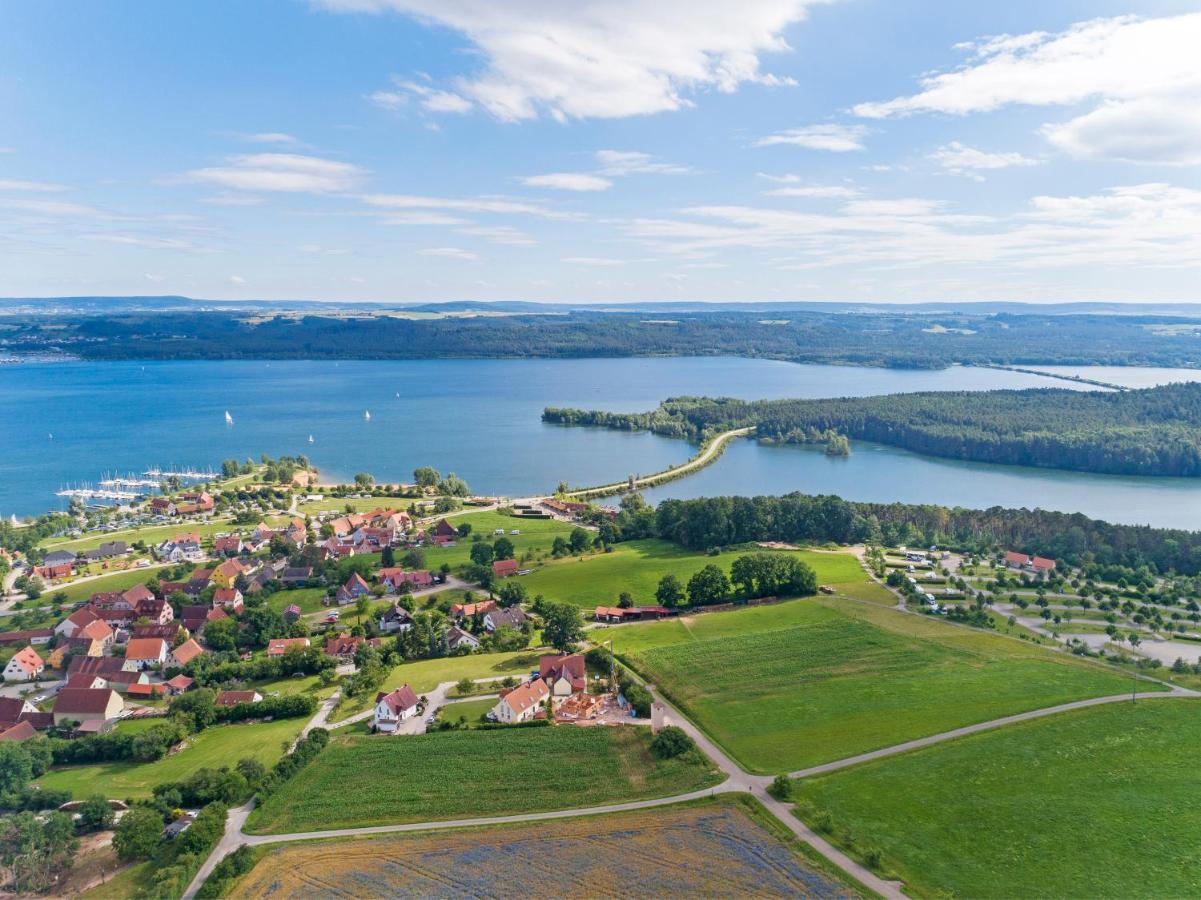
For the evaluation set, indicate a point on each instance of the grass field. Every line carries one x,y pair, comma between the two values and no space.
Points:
537,536
715,848
473,711
800,683
308,599
637,567
150,534
426,674
446,775
1090,803
118,581
215,747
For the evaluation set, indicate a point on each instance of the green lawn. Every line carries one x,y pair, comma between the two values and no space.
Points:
810,681
358,504
537,536
215,747
1091,803
118,581
308,599
446,775
150,534
637,566
426,674
473,711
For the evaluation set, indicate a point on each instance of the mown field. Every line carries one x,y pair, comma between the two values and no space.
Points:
473,711
118,581
809,681
637,566
537,536
1092,803
214,747
149,534
716,848
446,775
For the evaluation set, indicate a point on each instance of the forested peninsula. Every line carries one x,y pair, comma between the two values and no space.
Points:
1154,431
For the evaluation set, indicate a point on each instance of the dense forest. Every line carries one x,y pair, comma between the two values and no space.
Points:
877,338
1155,431
1070,537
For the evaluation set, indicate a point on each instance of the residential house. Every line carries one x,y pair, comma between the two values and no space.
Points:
25,665
181,548
107,550
54,573
157,611
194,617
87,705
167,631
104,666
354,588
162,506
145,653
521,703
59,558
292,612
144,690
198,501
72,623
94,639
233,698
393,708
1036,565
184,653
395,619
297,532
280,646
344,646
228,599
512,617
467,610
503,568
17,731
226,574
396,580
231,545
566,675
456,638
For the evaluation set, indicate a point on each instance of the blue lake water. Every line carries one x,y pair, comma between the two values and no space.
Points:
480,419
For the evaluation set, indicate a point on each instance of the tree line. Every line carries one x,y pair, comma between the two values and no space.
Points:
1154,431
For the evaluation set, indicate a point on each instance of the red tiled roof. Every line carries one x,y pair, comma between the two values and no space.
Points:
504,567
29,660
82,700
570,667
145,648
399,700
233,698
187,651
522,698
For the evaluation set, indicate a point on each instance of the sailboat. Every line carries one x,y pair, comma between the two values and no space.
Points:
367,415
229,420
50,436
310,439
398,395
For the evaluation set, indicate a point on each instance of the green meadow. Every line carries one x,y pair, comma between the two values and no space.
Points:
1098,802
796,684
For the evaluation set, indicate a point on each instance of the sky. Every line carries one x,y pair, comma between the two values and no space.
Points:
601,150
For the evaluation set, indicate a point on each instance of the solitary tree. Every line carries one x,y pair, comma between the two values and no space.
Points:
562,626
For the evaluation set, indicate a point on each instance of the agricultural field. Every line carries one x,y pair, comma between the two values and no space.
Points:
637,566
426,674
716,848
453,774
805,682
222,745
1090,803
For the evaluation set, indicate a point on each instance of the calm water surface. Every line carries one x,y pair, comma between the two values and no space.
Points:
480,419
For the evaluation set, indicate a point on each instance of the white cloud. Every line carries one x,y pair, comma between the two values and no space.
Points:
54,209
632,162
232,200
423,218
959,159
237,279
601,58
271,137
134,240
449,253
290,172
472,205
30,186
1142,72
832,137
821,191
568,181
500,234
428,97
599,261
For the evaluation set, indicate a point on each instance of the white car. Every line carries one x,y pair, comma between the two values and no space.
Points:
499,531
515,531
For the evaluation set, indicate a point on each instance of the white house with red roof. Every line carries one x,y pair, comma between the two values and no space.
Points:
78,619
26,665
394,708
1036,565
521,703
566,675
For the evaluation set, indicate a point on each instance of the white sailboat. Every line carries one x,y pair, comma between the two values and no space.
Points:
367,415
229,420
310,439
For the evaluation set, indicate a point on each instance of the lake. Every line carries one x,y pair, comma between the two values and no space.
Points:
481,419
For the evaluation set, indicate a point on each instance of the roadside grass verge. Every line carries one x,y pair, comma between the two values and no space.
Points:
446,775
1088,803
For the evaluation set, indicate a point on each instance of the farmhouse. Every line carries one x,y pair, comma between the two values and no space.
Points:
72,623
564,674
457,638
87,705
228,546
94,639
179,685
17,731
228,572
185,653
228,598
344,646
394,708
26,665
144,653
296,575
467,610
521,703
396,579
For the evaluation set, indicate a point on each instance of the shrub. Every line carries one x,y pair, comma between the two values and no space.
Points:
671,742
226,872
781,788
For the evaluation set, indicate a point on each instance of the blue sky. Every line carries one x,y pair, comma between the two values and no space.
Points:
418,150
